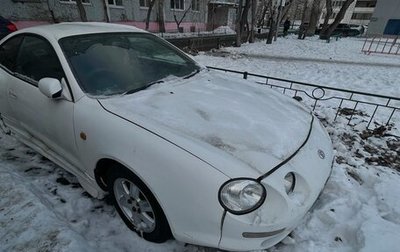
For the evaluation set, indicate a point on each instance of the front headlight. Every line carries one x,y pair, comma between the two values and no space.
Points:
242,195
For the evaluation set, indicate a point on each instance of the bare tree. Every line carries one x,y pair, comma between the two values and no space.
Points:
151,4
106,11
160,16
53,17
326,34
277,14
286,10
178,21
81,10
253,20
271,21
315,13
328,14
262,12
237,24
241,20
244,19
303,27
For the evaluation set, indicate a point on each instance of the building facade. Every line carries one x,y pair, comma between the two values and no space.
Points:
358,13
192,14
386,18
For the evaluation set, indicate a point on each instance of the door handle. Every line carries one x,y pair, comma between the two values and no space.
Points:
12,94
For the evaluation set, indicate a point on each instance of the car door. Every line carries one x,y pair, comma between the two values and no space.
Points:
48,121
8,55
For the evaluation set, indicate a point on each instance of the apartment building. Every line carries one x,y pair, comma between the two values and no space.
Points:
358,13
386,18
191,13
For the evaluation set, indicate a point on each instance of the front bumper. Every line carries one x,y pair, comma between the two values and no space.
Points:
281,212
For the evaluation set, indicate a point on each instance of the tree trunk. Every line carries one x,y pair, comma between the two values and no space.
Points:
160,16
328,32
106,12
238,22
278,20
81,9
295,13
151,4
303,28
178,22
329,11
253,20
272,25
315,13
53,17
286,10
244,19
261,12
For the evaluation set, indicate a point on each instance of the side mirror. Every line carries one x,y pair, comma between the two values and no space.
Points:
50,87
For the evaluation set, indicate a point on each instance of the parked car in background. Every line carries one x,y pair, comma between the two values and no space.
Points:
360,28
183,151
344,30
6,27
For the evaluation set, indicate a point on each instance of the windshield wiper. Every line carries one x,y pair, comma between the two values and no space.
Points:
144,87
192,74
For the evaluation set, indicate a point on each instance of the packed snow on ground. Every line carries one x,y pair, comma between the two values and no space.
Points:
43,208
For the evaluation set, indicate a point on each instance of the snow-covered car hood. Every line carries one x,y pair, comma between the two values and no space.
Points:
251,123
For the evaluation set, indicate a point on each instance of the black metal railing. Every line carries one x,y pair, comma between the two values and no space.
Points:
351,104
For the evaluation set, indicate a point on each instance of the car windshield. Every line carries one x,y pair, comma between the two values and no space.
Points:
119,63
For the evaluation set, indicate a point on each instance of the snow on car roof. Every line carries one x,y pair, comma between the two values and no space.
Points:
67,29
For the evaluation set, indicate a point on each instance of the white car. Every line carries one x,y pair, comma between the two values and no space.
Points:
185,152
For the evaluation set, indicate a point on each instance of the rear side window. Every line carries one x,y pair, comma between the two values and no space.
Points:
8,53
37,59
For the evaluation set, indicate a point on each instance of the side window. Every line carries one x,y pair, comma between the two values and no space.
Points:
37,59
9,51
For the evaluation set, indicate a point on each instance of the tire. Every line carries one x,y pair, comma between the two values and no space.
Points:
137,206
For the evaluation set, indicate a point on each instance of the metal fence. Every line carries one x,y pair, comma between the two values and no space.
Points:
365,107
382,44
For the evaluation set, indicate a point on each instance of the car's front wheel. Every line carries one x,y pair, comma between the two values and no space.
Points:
137,206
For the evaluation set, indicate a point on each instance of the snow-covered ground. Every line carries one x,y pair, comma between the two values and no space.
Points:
43,208
337,64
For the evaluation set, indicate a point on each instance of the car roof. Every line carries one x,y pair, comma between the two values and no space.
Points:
62,30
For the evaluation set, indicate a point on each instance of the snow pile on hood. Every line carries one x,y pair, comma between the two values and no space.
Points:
252,123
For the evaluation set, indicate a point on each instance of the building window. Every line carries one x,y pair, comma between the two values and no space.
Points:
361,16
144,3
115,2
73,1
366,4
195,5
178,4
